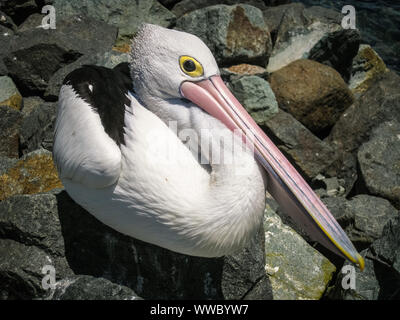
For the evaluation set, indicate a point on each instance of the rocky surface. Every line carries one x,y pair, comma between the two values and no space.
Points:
313,93
256,95
354,168
233,33
379,160
288,281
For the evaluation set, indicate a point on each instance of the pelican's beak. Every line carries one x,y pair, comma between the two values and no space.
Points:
285,184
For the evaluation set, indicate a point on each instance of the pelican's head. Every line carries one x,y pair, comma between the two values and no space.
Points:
170,65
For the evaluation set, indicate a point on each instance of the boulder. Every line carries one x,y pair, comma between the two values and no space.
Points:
9,94
379,161
33,173
84,287
5,36
366,67
362,217
309,154
126,15
37,128
7,22
35,55
10,121
379,104
337,50
313,93
297,30
256,95
233,33
30,104
296,270
19,10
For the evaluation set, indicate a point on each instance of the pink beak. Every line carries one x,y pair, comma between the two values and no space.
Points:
285,184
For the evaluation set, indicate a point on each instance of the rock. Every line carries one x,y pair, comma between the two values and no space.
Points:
233,33
33,173
9,94
313,93
337,50
379,104
367,66
5,36
30,104
362,217
297,30
107,59
380,279
10,121
186,6
256,95
35,55
37,128
379,160
32,22
308,153
152,272
6,163
244,69
84,287
7,22
296,270
126,15
19,10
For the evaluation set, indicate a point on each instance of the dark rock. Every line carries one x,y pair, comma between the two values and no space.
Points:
152,272
337,50
256,95
7,22
363,217
313,93
89,288
32,22
233,33
379,160
10,121
9,94
311,155
19,10
186,6
126,15
5,38
35,55
379,104
37,128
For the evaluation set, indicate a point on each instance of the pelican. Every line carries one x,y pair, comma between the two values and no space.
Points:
160,150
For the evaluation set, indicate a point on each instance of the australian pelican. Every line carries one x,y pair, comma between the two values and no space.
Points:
143,146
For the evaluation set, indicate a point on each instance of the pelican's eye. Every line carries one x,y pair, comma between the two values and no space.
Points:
191,66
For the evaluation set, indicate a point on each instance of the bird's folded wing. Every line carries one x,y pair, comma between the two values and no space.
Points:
83,151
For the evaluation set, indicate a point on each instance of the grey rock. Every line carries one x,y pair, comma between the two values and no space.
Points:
298,30
233,33
35,55
296,270
6,163
256,95
107,59
362,217
31,23
10,121
30,104
308,153
84,287
37,128
337,50
380,103
186,6
379,160
9,94
5,38
126,15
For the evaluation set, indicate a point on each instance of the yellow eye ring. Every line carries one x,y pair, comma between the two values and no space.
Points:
191,66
